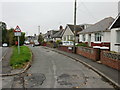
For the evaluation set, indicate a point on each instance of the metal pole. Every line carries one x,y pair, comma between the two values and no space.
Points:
18,46
38,30
74,26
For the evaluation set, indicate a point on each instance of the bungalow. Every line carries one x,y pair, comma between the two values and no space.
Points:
115,34
68,34
48,36
97,34
58,35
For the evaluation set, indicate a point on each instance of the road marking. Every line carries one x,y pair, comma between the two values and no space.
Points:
54,73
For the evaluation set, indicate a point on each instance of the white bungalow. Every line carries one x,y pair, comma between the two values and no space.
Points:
98,34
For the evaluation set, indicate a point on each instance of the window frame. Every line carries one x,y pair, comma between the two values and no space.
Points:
98,37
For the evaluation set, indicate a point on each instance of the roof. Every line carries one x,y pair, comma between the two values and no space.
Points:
77,27
50,34
116,23
102,25
58,34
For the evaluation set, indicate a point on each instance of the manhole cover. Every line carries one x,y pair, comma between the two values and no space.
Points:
70,80
34,80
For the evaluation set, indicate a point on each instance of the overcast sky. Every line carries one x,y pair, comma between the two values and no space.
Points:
50,14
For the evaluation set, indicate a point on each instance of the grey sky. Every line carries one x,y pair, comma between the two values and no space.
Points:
50,15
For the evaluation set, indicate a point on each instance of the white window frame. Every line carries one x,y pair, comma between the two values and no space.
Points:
118,36
83,37
98,37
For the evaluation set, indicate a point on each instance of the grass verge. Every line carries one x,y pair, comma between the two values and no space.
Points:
19,60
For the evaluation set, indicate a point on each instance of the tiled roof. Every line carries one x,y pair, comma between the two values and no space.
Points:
77,28
58,34
102,25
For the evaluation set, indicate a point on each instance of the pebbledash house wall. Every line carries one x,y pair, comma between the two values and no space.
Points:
106,37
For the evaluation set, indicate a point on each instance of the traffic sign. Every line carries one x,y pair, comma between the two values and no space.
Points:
17,29
17,33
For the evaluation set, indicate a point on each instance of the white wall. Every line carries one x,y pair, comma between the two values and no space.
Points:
87,37
66,33
80,38
113,40
92,37
106,37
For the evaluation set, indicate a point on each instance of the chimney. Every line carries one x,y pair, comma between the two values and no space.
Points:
61,27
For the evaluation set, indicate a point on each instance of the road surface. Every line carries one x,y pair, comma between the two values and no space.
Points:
52,70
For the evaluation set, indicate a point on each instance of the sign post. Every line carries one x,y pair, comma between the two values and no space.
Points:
17,32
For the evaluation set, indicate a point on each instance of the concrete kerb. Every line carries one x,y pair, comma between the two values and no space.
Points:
115,84
23,71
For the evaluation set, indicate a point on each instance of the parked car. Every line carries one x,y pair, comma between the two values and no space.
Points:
36,43
5,45
68,43
27,42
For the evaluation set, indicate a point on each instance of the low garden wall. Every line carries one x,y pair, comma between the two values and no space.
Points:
65,48
90,53
110,59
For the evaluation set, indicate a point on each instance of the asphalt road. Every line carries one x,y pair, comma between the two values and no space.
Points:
52,70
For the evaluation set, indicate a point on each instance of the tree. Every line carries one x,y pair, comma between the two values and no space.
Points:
40,39
22,38
10,37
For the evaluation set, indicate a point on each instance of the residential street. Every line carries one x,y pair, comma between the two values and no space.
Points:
52,70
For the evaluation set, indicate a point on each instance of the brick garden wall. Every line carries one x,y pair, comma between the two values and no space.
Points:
110,59
88,52
65,48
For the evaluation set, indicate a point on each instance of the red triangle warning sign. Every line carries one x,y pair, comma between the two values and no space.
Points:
17,29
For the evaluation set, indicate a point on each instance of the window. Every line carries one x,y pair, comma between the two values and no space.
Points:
71,37
83,37
64,38
98,37
67,37
118,36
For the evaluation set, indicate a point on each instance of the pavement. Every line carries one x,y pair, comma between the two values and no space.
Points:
112,74
6,54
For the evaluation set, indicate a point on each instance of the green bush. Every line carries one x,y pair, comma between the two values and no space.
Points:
82,44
